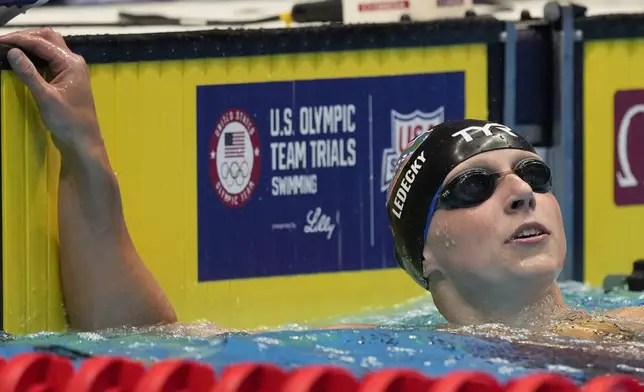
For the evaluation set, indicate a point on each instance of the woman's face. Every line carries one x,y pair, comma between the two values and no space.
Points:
478,248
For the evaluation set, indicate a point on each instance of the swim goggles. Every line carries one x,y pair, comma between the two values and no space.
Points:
475,186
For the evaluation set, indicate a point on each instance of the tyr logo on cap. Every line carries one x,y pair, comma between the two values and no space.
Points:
466,133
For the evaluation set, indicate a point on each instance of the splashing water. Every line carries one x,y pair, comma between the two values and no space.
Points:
408,337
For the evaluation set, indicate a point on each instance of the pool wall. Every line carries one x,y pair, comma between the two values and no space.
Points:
612,119
268,259
313,118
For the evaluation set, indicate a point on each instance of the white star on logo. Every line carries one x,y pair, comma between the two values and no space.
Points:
256,151
212,154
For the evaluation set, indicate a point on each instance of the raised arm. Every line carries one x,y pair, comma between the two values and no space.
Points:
105,282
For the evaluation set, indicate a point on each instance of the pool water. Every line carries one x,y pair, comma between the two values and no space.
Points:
407,338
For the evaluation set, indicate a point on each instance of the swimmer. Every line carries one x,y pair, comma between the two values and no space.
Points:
473,217
476,224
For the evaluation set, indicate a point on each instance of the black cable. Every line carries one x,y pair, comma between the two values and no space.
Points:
132,20
128,19
321,11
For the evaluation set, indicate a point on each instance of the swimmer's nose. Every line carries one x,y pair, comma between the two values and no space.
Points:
521,196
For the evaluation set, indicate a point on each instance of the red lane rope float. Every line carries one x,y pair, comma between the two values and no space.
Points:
35,373
102,374
320,379
542,382
466,381
45,372
177,376
395,380
612,384
251,377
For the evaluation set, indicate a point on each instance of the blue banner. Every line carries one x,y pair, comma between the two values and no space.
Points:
292,175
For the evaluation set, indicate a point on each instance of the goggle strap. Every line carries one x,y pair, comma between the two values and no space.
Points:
430,213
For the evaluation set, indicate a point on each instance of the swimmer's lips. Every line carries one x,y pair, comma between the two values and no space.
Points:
543,232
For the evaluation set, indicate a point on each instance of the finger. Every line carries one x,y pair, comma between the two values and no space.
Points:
27,73
25,31
35,35
57,57
50,35
33,31
45,32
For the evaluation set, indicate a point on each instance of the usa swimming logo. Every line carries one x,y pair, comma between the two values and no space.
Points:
404,129
235,158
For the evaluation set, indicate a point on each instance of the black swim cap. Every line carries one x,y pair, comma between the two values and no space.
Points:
419,175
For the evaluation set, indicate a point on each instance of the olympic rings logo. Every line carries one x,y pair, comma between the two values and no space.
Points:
234,173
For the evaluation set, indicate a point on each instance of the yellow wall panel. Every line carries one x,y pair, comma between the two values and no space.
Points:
612,233
32,296
147,113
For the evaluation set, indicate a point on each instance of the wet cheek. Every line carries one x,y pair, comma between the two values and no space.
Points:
554,213
441,232
478,244
443,237
461,238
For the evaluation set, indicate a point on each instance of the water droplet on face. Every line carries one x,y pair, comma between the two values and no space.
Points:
453,242
446,243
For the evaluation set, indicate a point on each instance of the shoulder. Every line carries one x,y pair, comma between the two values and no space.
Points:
634,313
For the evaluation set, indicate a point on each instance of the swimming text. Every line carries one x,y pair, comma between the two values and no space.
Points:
308,138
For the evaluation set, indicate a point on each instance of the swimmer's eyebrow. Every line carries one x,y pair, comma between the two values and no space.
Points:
494,166
523,157
491,166
486,165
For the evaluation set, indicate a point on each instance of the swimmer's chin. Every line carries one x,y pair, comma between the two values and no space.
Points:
538,266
